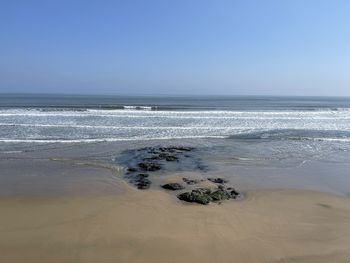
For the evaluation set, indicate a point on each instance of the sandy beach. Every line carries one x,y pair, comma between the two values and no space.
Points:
153,226
72,204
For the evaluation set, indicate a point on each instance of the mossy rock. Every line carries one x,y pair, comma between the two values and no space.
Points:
173,186
219,195
218,180
195,197
149,166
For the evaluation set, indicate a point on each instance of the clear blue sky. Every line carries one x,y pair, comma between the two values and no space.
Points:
281,47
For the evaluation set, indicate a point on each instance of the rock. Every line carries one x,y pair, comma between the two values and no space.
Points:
150,166
152,150
190,181
218,180
154,157
173,186
219,195
171,158
167,149
141,176
205,196
221,187
205,191
162,156
143,183
194,197
235,194
168,157
173,149
182,149
140,181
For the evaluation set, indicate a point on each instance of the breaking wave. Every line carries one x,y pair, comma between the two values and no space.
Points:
146,123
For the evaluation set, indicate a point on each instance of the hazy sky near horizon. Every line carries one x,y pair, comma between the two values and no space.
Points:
291,47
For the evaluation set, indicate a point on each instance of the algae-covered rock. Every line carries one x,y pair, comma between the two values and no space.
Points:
143,183
173,186
200,196
142,175
218,180
204,195
132,169
220,194
235,194
150,166
206,191
171,158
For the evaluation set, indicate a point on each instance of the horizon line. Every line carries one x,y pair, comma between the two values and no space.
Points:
168,95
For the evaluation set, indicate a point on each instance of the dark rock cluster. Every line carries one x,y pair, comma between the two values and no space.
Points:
149,166
205,195
173,186
152,159
145,161
142,182
200,196
218,180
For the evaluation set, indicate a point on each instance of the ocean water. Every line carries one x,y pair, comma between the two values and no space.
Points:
288,142
70,119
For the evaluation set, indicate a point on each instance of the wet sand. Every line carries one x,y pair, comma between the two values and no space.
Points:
153,226
71,204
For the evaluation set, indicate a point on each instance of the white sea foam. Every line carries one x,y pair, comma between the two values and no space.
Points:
146,111
94,125
10,152
148,108
102,139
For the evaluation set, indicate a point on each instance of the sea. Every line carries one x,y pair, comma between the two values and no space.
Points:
298,142
68,119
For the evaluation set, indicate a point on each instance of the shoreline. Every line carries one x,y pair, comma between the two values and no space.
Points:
85,168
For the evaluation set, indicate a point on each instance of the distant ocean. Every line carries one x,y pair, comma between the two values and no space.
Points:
69,119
